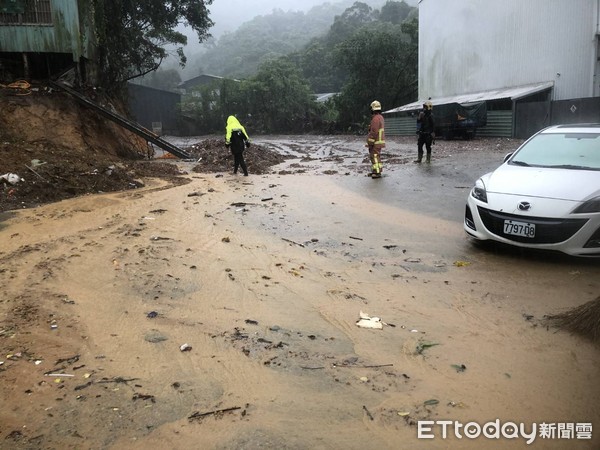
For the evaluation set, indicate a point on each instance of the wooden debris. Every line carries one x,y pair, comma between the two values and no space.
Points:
200,415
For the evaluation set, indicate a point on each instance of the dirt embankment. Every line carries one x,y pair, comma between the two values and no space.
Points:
63,150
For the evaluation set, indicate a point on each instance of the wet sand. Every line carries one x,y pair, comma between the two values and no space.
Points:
264,277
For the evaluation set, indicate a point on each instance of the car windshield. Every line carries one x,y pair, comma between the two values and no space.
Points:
561,150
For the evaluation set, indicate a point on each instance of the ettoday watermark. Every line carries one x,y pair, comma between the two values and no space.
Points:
430,429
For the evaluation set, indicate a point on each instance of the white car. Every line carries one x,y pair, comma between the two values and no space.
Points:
546,195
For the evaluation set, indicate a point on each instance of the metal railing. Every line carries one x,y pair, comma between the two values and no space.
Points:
26,12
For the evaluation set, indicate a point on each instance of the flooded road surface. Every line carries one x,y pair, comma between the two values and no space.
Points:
265,277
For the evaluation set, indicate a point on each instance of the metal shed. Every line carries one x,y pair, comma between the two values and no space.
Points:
155,109
500,116
39,35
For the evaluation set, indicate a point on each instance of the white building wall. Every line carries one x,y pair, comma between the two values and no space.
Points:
468,46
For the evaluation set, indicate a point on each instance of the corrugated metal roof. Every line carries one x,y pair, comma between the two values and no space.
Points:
514,93
199,80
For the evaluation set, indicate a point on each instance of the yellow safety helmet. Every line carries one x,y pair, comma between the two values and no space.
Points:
428,105
376,106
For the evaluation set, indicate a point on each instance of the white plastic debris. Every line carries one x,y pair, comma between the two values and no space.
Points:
11,178
367,321
185,348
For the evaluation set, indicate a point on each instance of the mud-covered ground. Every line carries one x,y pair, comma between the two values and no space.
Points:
202,309
62,150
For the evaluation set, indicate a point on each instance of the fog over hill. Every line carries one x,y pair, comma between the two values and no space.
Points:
229,15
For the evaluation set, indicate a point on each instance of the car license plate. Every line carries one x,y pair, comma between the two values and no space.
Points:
519,228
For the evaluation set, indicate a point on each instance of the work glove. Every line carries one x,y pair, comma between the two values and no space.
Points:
227,144
247,144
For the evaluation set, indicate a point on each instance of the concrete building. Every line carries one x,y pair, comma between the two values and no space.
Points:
509,53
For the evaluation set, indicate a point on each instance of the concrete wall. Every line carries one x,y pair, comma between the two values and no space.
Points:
478,45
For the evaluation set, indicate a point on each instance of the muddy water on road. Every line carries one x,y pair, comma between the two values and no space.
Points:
264,277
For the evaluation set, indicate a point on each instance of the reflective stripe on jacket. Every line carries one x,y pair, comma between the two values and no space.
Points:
376,136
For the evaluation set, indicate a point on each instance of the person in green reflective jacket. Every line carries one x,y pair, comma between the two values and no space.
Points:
237,140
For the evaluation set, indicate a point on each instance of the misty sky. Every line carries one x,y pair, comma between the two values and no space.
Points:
228,15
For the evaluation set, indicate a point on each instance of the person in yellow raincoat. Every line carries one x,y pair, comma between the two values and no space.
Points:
237,140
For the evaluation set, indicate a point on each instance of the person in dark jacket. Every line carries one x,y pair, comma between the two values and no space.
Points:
426,131
237,140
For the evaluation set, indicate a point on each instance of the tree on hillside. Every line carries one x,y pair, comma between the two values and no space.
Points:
165,79
382,65
276,100
132,35
317,60
352,19
395,12
279,98
317,64
238,54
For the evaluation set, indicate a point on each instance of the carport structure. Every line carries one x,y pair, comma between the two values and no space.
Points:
501,109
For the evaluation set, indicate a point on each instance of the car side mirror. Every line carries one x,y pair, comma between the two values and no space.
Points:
507,157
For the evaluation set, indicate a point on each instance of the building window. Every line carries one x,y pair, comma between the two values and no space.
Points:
25,12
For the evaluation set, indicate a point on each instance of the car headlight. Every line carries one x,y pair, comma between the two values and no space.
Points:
591,206
479,191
